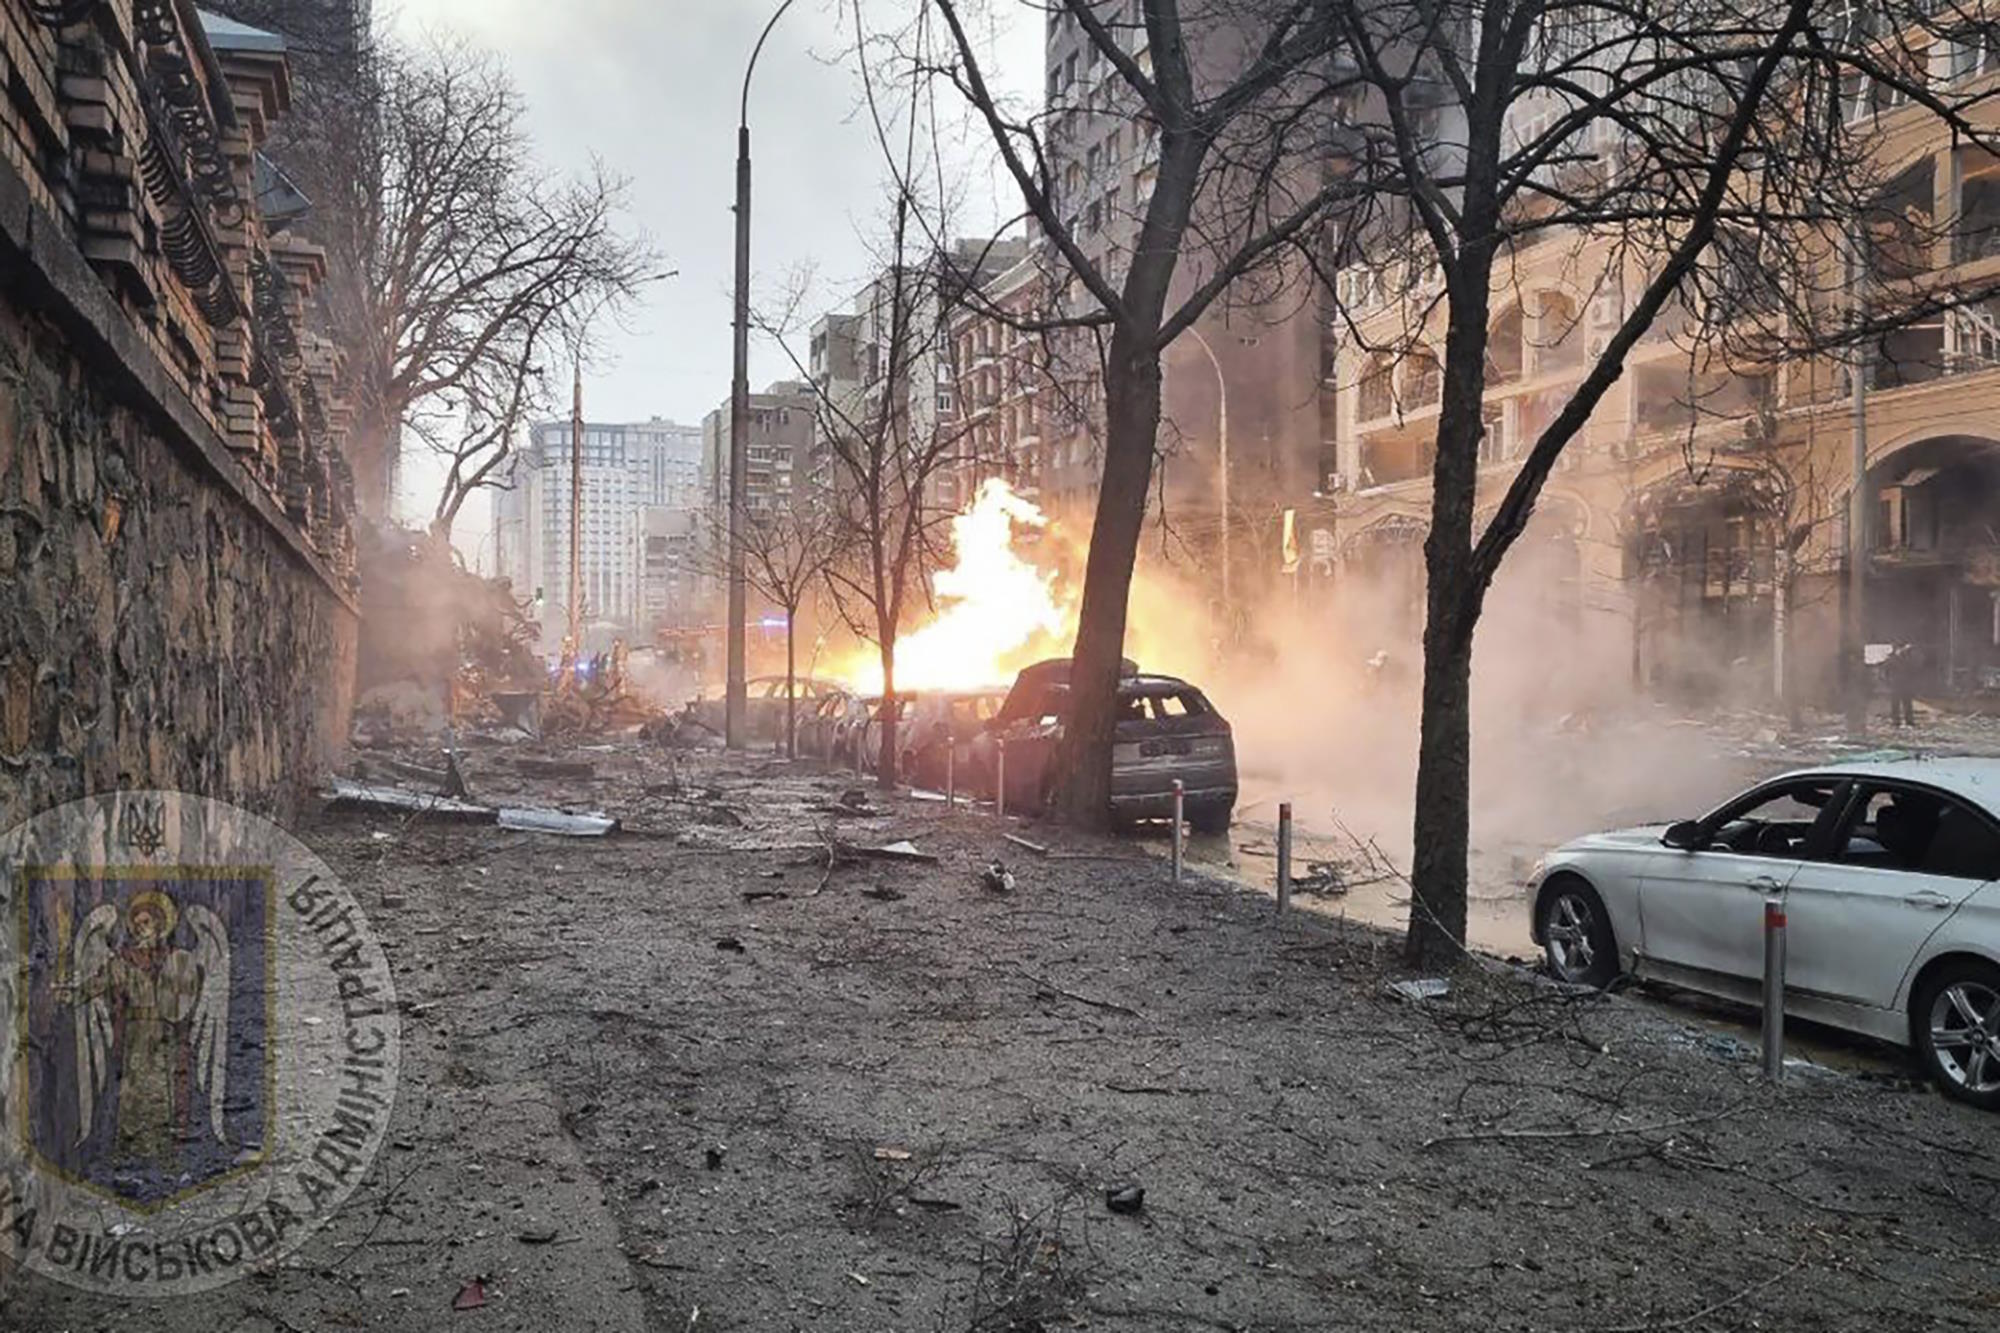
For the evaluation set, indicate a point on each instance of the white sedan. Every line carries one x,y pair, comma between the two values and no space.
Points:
1888,876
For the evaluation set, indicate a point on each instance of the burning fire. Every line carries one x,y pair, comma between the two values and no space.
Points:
997,611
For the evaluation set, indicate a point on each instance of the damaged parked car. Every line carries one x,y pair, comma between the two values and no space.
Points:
1889,875
1167,729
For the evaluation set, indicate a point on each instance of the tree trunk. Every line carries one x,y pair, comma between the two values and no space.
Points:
1443,825
1132,421
885,759
1453,596
791,687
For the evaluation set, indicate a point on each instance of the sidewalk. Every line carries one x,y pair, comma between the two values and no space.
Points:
749,1094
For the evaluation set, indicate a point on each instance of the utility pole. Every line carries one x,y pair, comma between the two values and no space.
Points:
575,529
1853,641
734,705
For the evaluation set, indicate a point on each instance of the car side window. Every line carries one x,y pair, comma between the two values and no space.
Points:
1776,822
1915,831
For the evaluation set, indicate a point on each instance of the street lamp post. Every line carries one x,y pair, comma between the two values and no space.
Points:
1222,460
739,409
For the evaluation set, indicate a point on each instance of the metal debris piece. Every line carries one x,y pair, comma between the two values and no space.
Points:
345,794
524,820
905,850
1425,988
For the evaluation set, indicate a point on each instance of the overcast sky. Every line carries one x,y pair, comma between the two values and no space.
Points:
651,88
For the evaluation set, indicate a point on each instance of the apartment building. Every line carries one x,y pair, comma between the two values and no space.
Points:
627,470
1697,529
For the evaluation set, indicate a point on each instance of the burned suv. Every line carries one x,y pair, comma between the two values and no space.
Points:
1167,729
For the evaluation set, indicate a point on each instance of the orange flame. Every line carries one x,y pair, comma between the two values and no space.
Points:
998,612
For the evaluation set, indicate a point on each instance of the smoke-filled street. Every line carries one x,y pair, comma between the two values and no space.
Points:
697,1074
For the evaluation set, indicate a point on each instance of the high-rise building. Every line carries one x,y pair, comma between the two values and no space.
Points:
627,469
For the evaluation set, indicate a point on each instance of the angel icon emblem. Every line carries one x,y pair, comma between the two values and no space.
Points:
143,1005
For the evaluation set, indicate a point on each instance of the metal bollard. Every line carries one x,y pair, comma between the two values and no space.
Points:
1180,794
1000,779
1284,855
1774,987
951,777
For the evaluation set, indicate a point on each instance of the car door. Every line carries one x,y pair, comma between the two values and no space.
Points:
1703,909
1903,860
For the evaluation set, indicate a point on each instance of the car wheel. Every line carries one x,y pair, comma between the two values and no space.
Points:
1956,1015
1210,817
1576,933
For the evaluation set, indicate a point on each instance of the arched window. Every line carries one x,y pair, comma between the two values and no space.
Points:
1423,380
1377,395
1505,354
1558,339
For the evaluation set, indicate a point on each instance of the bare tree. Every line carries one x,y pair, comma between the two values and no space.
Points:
787,551
1231,94
474,266
887,452
1716,158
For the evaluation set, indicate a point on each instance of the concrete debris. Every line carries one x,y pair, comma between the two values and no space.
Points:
1125,1198
1426,988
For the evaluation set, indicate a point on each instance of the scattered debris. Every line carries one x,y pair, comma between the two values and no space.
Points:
349,795
471,1296
892,1154
762,895
537,1235
904,850
730,944
527,820
997,877
1037,848
1322,879
1125,1198
882,893
555,768
1426,988
712,1158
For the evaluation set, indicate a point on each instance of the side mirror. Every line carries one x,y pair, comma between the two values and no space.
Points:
1685,836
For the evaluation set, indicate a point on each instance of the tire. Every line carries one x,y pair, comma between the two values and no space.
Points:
1210,817
1955,1018
1576,933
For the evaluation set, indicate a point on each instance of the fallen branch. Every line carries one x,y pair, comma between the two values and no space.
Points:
1715,1308
1054,989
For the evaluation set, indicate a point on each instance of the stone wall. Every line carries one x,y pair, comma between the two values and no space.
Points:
176,564
155,629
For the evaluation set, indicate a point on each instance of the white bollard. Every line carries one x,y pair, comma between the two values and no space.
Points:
1180,793
1000,779
1284,855
1774,986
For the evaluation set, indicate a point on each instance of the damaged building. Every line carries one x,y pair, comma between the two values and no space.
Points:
177,591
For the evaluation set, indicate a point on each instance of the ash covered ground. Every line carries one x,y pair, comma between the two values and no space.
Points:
687,1077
